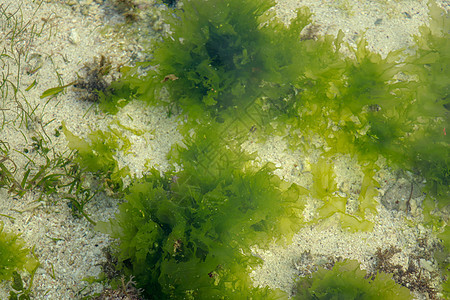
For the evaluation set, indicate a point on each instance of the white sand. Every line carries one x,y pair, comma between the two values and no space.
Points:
77,31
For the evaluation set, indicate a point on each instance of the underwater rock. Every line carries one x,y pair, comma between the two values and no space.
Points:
404,195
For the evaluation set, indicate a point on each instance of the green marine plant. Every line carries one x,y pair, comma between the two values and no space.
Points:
324,189
366,107
97,156
170,3
49,173
347,281
443,259
409,126
212,60
219,55
7,179
18,34
19,290
187,234
13,255
180,241
430,145
353,102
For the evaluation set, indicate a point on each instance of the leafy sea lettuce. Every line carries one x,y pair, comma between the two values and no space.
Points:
188,234
212,59
430,144
347,281
97,154
13,255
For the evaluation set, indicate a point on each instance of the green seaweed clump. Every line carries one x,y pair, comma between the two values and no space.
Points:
347,281
222,56
97,155
13,255
324,189
429,148
213,57
443,259
187,235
